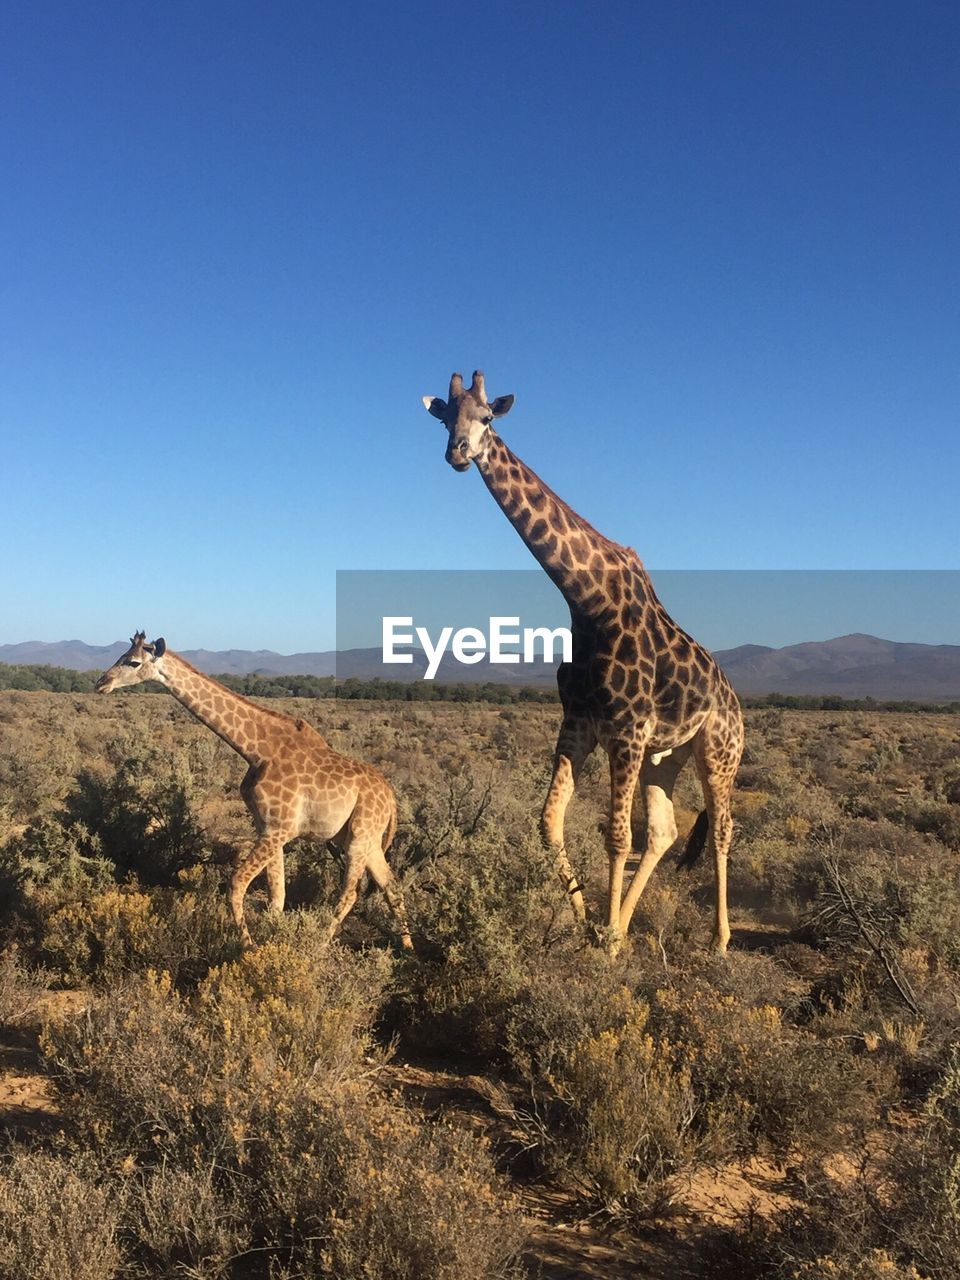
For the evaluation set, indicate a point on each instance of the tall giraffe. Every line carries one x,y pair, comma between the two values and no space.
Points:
638,685
296,784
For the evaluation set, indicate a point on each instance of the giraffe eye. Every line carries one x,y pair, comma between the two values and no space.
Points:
131,662
488,419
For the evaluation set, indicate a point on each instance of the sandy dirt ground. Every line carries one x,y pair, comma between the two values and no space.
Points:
564,1245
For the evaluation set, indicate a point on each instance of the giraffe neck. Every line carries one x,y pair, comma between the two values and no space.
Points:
586,566
240,723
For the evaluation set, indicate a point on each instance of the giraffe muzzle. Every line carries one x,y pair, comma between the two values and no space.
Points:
457,455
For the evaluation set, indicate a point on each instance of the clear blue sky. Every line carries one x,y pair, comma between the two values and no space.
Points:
714,250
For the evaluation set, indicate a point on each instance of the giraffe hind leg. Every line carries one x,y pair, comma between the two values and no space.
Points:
717,760
658,777
360,842
380,872
355,864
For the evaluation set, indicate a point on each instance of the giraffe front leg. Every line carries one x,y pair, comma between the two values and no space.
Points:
266,853
573,746
661,835
551,832
625,762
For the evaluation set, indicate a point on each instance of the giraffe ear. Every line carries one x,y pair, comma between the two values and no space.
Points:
434,405
159,647
502,405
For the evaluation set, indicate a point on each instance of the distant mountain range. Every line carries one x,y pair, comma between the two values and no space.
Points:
854,666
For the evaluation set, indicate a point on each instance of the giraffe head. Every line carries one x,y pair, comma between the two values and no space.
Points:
467,415
141,662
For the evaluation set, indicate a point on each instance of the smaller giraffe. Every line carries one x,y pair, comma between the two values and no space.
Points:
296,784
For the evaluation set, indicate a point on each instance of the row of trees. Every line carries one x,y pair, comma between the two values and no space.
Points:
62,680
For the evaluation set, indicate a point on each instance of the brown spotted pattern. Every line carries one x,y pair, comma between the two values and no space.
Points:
638,686
296,784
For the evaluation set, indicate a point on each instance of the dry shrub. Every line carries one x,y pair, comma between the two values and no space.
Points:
49,862
21,990
612,1110
133,1072
58,1220
837,1230
875,1265
762,1084
103,939
784,1251
295,1004
892,937
566,999
185,1223
630,1116
148,1073
926,1168
637,1073
355,1187
898,1218
246,1129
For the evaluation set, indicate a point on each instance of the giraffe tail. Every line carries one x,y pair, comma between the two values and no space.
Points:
391,830
696,841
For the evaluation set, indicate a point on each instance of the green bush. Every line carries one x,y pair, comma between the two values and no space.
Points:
141,819
486,903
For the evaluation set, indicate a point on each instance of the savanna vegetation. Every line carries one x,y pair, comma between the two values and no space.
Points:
228,1115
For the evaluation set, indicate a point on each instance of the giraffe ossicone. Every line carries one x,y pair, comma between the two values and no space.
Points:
638,686
296,784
